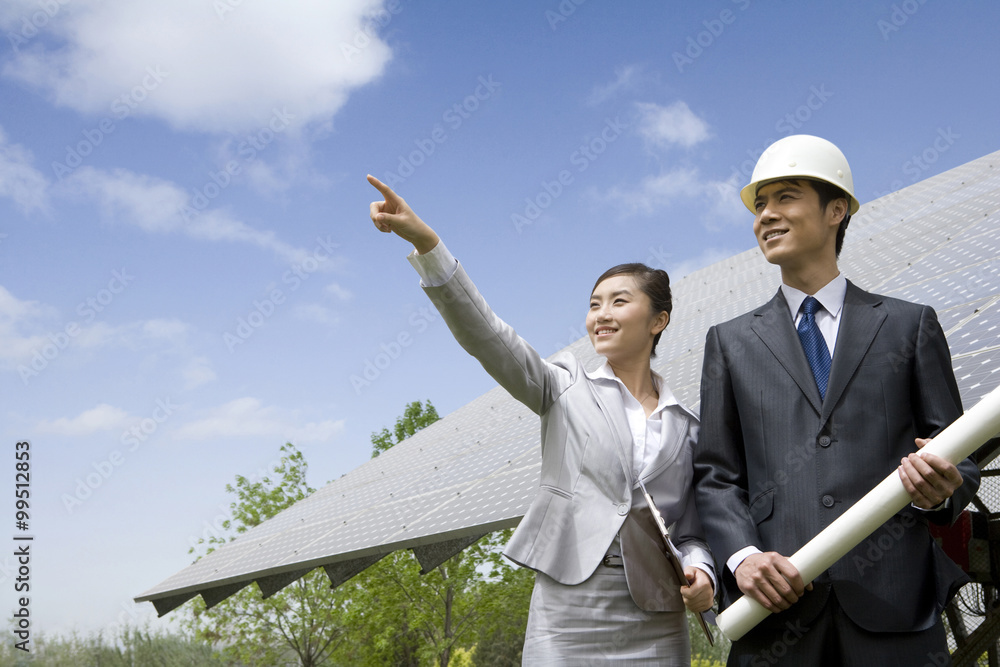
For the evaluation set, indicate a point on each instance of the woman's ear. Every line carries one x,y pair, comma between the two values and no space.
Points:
660,322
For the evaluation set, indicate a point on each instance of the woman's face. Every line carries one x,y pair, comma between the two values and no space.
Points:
620,322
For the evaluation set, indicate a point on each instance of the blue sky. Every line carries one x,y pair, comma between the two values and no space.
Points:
188,275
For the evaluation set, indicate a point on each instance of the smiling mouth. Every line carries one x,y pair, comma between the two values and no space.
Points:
775,233
603,332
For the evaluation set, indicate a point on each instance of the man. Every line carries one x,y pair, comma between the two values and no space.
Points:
807,403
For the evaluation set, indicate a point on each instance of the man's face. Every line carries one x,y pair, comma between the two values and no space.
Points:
791,228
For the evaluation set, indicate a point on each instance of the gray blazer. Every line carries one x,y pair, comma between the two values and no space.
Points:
775,464
587,493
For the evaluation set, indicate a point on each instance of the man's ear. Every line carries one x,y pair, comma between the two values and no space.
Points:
838,207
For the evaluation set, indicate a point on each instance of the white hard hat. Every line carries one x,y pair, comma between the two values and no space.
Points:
801,156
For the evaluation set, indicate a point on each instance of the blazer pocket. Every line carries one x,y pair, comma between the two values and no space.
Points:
762,506
557,491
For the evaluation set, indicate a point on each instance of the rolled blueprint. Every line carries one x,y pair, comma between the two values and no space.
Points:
964,436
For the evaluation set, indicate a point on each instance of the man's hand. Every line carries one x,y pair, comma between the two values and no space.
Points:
394,215
698,594
770,579
929,479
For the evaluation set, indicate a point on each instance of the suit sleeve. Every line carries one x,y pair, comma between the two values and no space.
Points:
937,403
507,357
720,473
687,532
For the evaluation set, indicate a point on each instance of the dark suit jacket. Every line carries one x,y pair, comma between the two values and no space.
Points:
775,464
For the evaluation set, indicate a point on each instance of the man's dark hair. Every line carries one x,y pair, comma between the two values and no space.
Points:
827,193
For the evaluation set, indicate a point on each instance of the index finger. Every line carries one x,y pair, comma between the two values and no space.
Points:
386,191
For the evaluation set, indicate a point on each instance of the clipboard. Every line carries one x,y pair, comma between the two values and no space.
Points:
674,556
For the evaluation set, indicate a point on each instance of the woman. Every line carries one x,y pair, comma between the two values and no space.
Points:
603,589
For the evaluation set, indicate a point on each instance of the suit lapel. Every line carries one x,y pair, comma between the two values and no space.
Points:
773,325
860,321
609,399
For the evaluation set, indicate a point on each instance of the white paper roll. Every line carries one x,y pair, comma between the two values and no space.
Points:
955,443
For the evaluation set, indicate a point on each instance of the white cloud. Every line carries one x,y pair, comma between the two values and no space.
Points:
247,417
198,372
219,66
318,313
104,417
20,323
32,334
627,79
719,199
18,179
708,257
338,292
676,124
155,205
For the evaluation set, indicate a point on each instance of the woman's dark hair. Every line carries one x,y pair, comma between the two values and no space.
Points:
654,283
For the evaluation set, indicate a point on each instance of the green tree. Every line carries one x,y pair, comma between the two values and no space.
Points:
415,417
301,622
389,614
419,619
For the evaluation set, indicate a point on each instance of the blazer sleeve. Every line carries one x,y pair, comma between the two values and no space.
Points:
507,357
720,472
937,403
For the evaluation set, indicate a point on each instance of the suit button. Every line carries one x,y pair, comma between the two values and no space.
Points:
824,441
623,509
827,501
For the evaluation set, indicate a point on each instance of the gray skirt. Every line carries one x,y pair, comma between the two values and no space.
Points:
598,623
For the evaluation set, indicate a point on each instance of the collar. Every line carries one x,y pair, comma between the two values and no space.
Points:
830,296
605,374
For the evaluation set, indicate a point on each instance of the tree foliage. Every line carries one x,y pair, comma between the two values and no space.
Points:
303,621
470,596
474,604
415,417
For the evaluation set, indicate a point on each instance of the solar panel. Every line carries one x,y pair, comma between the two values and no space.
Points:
476,470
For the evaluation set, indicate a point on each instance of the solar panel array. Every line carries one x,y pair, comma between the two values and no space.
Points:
475,471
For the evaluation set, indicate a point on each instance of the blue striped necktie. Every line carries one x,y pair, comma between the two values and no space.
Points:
814,345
